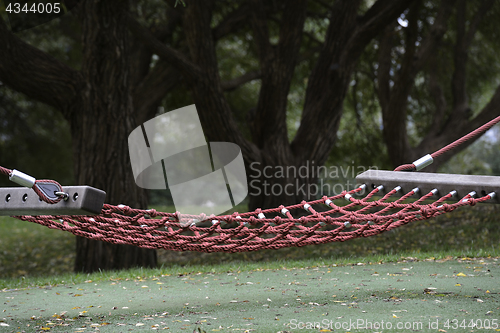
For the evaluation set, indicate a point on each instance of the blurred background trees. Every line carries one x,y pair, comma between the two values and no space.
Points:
341,83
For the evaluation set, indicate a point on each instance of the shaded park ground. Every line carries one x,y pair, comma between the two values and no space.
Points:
430,275
412,296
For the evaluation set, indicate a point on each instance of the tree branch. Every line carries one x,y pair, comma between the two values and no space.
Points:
459,122
215,113
163,31
394,109
241,80
261,31
460,128
464,39
35,73
481,13
460,103
436,33
327,86
437,93
277,64
140,59
384,68
373,21
190,70
232,22
324,4
150,92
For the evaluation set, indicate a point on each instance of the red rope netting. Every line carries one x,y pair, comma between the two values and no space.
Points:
326,220
253,230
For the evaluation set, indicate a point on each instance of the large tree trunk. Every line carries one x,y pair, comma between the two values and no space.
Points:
278,181
100,126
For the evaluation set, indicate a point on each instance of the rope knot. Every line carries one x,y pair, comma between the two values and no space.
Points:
152,212
425,212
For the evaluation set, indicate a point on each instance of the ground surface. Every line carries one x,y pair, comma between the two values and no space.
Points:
449,295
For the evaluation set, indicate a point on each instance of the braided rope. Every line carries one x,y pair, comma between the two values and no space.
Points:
454,144
5,171
253,231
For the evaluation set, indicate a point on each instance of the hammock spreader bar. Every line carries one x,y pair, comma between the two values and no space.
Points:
444,183
80,200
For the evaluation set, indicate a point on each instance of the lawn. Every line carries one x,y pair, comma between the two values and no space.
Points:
430,295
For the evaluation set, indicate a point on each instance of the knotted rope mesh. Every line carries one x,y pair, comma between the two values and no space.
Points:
330,219
325,220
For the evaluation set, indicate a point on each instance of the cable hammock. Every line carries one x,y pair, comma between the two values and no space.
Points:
405,198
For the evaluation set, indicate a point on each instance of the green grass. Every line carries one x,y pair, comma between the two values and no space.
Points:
30,252
271,297
233,266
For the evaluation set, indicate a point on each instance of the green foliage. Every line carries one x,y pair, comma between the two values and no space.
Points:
177,2
34,139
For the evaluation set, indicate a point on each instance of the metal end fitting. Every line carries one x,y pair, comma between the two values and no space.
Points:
328,202
423,162
261,216
348,197
284,211
64,195
21,178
